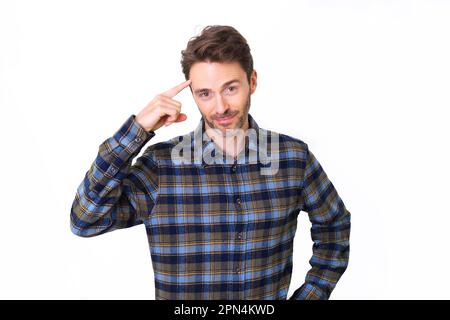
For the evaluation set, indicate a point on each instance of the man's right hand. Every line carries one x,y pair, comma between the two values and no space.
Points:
162,109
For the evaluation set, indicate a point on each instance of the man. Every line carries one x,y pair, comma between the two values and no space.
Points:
219,226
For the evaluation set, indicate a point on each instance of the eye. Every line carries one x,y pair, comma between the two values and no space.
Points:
201,94
232,87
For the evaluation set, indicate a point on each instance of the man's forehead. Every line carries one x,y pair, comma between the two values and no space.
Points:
207,75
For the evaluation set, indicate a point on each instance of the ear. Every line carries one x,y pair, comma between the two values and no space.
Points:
253,81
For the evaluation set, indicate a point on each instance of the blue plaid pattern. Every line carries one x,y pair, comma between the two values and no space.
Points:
217,230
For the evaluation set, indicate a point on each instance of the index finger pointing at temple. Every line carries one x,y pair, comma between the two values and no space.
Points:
175,90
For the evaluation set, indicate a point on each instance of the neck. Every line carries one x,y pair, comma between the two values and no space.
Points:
230,141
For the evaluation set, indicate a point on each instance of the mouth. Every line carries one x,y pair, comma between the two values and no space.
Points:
225,121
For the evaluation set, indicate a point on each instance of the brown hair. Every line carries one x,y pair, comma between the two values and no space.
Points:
217,44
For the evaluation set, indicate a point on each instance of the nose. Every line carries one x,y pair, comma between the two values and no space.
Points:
221,105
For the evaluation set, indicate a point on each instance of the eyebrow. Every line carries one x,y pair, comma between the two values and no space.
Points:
224,85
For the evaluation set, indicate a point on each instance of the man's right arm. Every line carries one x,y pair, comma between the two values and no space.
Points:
114,194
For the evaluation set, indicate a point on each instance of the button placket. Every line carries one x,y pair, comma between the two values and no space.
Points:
239,234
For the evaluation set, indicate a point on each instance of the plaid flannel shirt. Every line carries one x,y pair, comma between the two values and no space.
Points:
217,230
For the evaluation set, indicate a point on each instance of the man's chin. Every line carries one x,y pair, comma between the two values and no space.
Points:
230,125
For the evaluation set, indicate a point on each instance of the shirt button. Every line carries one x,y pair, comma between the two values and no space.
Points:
112,169
233,168
240,235
138,139
238,201
238,270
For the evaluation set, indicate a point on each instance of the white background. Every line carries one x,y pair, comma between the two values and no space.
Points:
364,83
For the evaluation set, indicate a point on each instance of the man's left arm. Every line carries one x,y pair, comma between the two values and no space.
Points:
330,233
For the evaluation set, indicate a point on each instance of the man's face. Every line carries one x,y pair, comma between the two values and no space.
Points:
222,93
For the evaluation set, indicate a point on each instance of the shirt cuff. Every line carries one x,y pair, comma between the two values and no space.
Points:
132,135
309,291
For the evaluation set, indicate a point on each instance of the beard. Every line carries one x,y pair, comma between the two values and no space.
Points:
241,121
